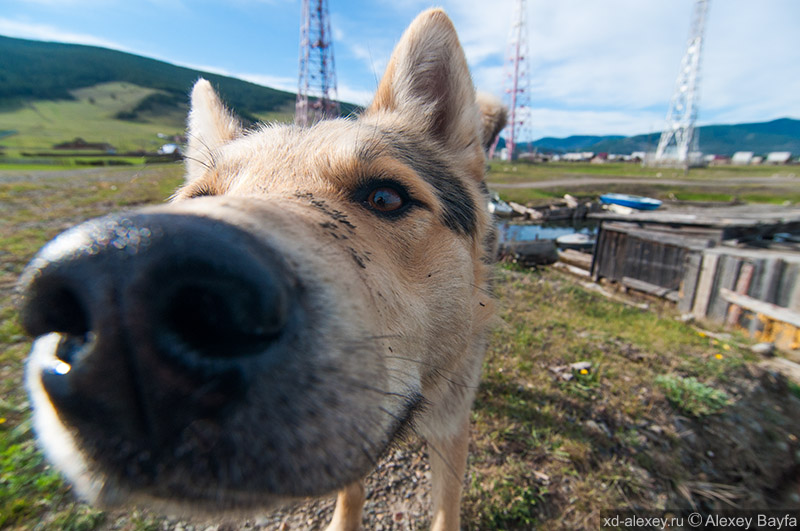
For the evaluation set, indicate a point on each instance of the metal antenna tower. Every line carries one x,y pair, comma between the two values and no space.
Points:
517,79
679,133
317,97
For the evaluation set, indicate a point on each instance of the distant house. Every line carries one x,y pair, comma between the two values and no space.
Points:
169,149
578,157
717,160
779,157
742,158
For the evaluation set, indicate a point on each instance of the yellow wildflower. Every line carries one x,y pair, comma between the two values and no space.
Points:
718,356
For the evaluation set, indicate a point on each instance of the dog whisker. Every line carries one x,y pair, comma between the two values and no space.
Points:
438,370
483,289
207,151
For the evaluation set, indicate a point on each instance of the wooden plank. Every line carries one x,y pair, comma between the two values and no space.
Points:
689,281
794,299
727,272
755,254
708,271
759,291
676,235
577,271
576,258
745,216
772,278
773,311
651,289
742,285
786,284
599,251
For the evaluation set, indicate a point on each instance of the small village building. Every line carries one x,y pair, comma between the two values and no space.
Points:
779,157
742,158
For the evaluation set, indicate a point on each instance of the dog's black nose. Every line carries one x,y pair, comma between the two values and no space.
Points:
157,313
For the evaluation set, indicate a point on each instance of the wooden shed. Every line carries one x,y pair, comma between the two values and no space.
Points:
710,260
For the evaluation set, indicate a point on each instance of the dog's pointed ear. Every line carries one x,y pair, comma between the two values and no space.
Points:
210,126
428,78
494,117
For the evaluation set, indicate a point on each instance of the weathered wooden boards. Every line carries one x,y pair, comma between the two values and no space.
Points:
757,290
655,255
713,262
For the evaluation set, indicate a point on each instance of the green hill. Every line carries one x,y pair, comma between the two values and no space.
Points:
36,70
54,92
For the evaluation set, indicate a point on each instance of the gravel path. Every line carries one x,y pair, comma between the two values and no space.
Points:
398,499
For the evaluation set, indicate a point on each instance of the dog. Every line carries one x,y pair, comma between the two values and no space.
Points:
308,296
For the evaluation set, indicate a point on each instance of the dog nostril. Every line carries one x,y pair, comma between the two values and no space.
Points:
223,319
55,307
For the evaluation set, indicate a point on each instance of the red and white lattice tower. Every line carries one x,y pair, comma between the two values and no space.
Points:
317,98
517,84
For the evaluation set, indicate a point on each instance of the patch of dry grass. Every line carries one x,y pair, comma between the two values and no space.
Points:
557,448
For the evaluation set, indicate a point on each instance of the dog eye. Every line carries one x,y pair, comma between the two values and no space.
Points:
386,199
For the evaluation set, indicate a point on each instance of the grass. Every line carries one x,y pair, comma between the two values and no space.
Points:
692,397
555,453
92,116
34,211
712,184
637,429
42,124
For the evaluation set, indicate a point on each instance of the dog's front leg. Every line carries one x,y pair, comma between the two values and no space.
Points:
448,463
349,503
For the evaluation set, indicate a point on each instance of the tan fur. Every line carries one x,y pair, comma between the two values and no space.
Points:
401,305
494,117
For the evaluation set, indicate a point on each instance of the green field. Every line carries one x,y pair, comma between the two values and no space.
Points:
664,418
42,124
93,116
758,184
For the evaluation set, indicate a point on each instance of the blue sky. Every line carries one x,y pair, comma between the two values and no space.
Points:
597,66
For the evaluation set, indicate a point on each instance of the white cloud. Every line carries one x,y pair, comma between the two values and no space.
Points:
44,32
288,84
608,67
355,95
567,122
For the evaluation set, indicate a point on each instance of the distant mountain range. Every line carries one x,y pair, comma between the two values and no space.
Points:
761,138
35,71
